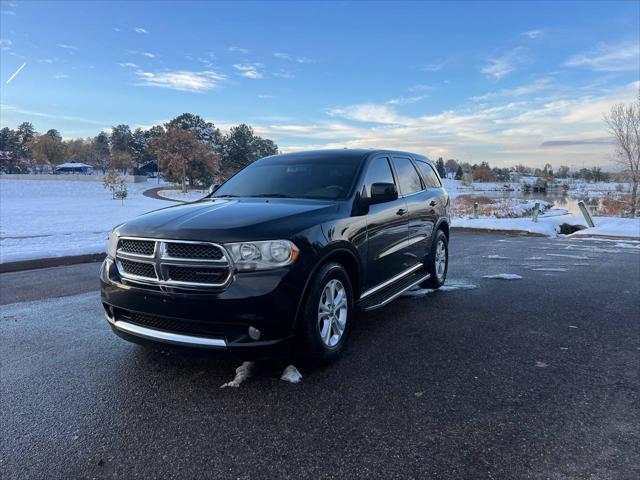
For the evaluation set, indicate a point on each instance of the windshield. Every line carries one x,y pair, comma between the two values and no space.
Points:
301,178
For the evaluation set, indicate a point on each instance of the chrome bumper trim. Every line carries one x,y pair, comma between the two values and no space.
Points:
166,337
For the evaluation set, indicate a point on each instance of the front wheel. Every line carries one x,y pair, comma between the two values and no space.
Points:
326,321
438,262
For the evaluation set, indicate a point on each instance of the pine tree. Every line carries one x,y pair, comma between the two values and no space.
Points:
440,167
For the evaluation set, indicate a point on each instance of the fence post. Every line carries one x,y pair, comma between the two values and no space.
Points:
476,210
586,214
536,211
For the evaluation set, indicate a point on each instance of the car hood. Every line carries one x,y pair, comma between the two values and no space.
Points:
230,220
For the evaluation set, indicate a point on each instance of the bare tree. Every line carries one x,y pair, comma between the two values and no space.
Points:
624,125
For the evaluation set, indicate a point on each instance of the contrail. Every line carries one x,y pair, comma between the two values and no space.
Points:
17,72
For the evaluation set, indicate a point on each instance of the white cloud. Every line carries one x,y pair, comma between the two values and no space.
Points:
532,33
249,70
237,50
181,80
406,100
533,87
304,60
501,66
609,58
251,74
144,54
5,44
505,133
282,55
140,30
436,65
420,88
128,65
71,48
14,109
60,76
49,61
265,97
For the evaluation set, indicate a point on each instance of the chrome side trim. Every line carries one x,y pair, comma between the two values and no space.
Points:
397,294
388,282
167,337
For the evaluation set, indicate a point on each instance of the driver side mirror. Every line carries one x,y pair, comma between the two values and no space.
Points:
213,187
382,193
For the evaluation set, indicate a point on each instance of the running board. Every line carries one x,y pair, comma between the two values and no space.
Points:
391,293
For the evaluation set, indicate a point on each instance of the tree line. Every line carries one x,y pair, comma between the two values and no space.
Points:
187,149
483,172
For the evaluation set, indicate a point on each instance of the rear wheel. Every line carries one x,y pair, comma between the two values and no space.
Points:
326,320
438,262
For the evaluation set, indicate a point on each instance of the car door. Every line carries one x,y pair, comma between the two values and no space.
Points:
420,223
436,196
386,228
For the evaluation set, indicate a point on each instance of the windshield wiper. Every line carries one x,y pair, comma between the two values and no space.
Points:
224,196
272,195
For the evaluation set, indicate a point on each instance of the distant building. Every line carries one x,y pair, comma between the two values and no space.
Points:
74,167
150,169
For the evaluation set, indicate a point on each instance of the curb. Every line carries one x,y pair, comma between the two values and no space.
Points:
50,262
513,233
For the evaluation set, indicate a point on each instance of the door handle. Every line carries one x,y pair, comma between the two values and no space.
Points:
401,211
433,203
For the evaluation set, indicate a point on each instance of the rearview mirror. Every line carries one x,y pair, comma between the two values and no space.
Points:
382,193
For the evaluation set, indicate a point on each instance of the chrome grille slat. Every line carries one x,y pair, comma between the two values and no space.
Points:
177,263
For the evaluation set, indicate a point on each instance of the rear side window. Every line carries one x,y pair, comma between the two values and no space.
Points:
379,172
408,178
429,175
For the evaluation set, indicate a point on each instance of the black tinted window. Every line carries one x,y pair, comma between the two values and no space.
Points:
429,175
307,178
379,172
407,176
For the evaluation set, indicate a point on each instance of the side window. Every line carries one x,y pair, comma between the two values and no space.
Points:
408,178
429,175
379,172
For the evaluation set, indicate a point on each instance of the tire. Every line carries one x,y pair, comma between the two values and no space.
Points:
324,329
439,247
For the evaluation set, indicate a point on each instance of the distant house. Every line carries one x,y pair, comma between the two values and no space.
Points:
150,168
74,167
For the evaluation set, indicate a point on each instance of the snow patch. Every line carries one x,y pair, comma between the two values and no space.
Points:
565,255
291,375
243,372
504,276
496,257
449,287
550,269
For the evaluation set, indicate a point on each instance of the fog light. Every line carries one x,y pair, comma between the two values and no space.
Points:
254,333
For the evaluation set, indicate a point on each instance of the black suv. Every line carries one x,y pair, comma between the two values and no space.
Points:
286,249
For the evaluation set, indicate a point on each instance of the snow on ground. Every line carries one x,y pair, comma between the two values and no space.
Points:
40,218
450,286
550,226
190,196
291,375
504,276
243,372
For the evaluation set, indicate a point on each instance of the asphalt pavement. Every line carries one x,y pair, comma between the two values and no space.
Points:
536,377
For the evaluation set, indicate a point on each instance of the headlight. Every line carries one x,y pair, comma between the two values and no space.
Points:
113,244
262,255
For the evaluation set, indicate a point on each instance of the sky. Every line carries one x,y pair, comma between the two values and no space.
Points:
503,82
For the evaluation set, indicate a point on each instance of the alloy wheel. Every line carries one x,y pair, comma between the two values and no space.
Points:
333,309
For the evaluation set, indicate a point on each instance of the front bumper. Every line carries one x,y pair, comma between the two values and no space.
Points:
218,320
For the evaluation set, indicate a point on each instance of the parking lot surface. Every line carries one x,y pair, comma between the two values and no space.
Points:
535,377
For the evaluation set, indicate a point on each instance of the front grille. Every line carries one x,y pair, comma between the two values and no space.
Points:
183,264
196,274
194,250
138,269
137,247
172,324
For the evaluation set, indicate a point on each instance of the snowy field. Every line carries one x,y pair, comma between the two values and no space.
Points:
550,225
190,196
40,219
